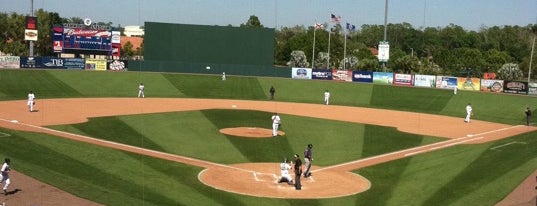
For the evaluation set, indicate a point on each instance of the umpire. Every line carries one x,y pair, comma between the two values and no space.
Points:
298,172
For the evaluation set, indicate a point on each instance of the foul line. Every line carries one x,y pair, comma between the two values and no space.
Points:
4,134
443,144
133,149
507,144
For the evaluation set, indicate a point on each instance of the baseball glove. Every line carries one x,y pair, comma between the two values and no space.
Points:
33,103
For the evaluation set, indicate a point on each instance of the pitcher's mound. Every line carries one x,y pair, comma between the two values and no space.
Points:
254,132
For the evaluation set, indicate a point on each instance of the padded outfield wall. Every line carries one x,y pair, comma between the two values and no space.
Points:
208,49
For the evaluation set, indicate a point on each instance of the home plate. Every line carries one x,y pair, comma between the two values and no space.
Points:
14,121
233,106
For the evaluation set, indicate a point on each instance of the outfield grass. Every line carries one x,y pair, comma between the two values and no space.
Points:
459,175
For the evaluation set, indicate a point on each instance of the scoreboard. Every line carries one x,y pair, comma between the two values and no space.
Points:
80,38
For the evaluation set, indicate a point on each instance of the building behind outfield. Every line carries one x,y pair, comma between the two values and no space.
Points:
208,49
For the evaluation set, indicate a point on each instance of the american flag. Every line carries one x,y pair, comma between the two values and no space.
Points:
319,26
335,19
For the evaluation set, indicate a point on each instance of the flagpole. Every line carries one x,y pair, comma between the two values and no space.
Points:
345,52
313,52
328,62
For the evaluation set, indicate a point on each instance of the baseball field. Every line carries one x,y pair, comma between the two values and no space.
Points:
374,145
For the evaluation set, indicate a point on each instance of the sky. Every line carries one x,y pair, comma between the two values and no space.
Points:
470,14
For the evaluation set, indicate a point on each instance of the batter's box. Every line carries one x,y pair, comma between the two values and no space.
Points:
263,177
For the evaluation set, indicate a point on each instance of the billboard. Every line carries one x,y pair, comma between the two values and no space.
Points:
515,87
425,81
70,38
472,84
10,61
117,65
341,75
532,88
491,85
445,82
362,76
57,39
382,77
301,73
325,74
403,79
52,63
96,64
30,62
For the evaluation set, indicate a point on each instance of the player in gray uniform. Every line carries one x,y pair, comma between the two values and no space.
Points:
307,160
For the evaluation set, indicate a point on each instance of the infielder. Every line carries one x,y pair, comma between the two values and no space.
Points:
141,89
275,124
4,174
468,113
326,97
31,97
284,171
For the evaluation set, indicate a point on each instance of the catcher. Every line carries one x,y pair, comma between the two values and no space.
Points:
285,175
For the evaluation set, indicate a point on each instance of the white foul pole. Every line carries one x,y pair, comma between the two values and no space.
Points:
313,52
531,59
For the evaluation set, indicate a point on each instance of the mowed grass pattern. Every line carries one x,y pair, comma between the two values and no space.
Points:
460,175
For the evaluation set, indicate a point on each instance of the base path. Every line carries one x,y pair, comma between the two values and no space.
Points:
262,176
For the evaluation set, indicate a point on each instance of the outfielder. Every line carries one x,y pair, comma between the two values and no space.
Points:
4,174
31,97
284,171
223,76
141,90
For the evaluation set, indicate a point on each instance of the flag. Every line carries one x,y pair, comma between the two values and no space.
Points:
351,27
335,19
319,26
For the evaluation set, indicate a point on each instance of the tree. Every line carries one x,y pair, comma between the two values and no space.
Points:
510,71
298,59
127,50
253,22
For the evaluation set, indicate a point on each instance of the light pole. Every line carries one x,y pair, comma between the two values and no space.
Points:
531,59
31,52
385,30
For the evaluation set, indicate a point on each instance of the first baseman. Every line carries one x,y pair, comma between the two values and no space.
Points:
4,174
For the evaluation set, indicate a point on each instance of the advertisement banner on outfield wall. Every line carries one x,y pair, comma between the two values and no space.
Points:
425,81
10,61
341,75
382,77
515,87
31,62
403,79
362,76
301,73
52,63
74,63
117,65
96,64
532,88
491,85
445,82
323,74
471,84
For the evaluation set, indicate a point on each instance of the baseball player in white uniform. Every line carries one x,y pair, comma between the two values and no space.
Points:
275,124
468,113
326,97
284,171
141,88
4,174
223,76
31,97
